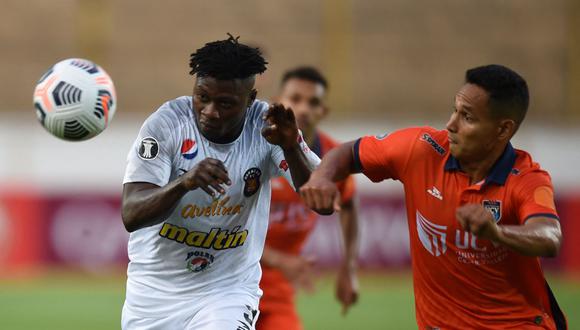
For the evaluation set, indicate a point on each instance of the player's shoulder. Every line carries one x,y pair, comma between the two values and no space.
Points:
172,113
255,113
419,138
415,132
525,169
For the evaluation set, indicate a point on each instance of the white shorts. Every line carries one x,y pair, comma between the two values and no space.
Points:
224,311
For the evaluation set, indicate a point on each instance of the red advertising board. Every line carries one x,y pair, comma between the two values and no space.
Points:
85,231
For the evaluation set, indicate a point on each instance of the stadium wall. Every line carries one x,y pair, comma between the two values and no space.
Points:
60,201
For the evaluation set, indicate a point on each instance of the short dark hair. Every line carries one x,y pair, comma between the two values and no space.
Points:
307,73
508,91
226,60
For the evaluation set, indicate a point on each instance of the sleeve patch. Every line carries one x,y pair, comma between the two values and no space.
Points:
543,196
148,148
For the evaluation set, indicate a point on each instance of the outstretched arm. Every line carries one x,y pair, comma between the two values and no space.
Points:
320,192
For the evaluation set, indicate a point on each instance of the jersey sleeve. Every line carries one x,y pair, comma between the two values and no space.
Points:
280,166
385,157
150,157
534,196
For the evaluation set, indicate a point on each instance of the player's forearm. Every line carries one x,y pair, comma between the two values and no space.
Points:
149,205
338,163
298,164
541,239
349,225
271,257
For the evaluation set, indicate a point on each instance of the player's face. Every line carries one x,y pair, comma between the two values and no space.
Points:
473,132
305,99
220,106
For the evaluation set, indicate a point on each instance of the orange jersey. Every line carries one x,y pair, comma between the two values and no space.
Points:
462,282
290,224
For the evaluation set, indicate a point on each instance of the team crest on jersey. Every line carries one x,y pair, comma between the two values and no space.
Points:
494,207
252,181
197,261
439,149
148,148
189,149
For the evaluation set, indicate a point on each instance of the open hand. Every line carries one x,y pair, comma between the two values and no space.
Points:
346,288
281,128
298,270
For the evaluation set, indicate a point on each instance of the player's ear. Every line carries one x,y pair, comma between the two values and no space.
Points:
506,129
252,97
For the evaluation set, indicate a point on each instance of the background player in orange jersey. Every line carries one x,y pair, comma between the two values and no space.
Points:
303,90
480,212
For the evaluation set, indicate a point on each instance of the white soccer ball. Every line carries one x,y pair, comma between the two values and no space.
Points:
75,99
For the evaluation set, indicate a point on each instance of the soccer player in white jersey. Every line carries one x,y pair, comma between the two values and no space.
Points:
196,196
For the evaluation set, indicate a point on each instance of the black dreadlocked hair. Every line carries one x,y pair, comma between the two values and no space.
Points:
226,60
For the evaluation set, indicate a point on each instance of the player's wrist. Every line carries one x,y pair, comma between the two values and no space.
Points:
293,146
322,173
499,236
184,185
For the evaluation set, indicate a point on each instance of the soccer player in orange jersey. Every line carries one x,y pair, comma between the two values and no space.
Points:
303,90
480,212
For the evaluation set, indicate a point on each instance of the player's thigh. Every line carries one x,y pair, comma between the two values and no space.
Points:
282,319
233,311
132,321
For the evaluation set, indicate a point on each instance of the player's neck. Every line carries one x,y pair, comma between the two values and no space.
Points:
229,137
479,169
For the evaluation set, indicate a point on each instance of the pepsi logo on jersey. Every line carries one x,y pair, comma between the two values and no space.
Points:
189,149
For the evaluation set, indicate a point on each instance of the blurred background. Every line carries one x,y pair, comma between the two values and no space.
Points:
390,64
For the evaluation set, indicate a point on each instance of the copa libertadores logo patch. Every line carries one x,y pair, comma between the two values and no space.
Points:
148,148
252,181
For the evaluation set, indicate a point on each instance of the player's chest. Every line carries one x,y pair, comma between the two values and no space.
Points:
436,198
247,168
434,227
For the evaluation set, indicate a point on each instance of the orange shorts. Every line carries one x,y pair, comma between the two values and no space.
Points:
279,319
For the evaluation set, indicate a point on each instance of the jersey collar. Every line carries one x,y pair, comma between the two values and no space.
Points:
500,170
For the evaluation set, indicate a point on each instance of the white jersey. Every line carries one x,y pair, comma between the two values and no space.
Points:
206,245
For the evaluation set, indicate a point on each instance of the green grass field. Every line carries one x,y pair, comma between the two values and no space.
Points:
72,301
